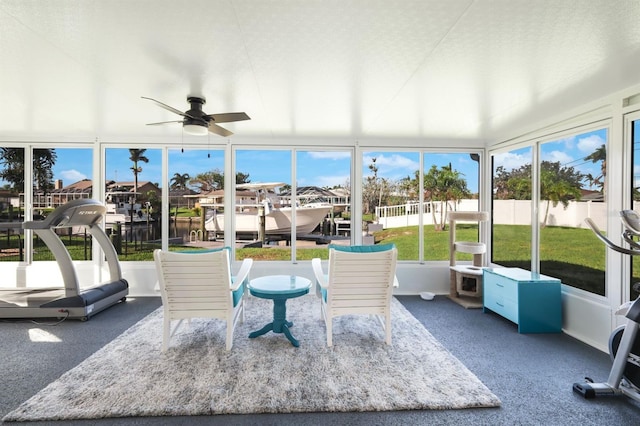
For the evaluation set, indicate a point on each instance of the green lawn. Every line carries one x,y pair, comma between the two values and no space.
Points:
573,255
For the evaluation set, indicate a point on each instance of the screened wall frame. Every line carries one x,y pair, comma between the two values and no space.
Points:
422,152
631,131
28,198
556,133
356,150
293,151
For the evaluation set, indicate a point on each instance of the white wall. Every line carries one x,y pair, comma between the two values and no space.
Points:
586,318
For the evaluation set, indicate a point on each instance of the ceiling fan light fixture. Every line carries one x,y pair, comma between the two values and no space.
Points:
195,129
197,122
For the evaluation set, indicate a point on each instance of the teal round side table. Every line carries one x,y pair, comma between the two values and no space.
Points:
279,288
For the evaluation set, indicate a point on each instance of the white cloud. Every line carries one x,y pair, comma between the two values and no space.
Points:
326,181
393,167
387,163
330,155
568,142
510,160
590,143
71,176
558,156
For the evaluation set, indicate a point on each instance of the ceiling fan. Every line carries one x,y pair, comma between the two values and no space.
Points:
196,122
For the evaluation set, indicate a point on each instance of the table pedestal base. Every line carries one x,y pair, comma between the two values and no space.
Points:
279,323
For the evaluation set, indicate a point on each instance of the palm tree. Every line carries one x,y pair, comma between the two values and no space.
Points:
444,185
600,154
558,185
136,156
13,171
180,181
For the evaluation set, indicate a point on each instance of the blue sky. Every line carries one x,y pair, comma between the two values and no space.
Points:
636,154
319,168
570,152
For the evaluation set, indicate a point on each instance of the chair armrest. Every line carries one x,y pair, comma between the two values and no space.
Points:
316,264
243,274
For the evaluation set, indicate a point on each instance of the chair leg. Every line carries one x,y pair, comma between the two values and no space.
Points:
166,336
229,342
329,325
385,323
387,326
232,320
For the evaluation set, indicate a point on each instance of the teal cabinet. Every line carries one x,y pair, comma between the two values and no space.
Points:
533,301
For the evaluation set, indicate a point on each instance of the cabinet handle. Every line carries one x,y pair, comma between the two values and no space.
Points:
500,304
500,285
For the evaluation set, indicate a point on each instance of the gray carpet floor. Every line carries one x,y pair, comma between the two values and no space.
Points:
532,374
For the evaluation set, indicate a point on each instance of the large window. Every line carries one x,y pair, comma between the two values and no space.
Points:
277,220
11,208
390,200
133,194
511,206
59,175
572,174
451,183
196,188
394,206
635,196
262,223
323,201
62,175
568,181
288,205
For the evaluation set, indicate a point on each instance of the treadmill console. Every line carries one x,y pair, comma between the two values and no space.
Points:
85,212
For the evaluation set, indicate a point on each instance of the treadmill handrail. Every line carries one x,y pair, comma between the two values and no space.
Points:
81,212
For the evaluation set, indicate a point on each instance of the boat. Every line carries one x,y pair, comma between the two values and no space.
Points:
255,199
121,210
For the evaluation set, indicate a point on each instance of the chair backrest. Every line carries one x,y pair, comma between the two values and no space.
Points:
209,250
362,249
195,284
361,280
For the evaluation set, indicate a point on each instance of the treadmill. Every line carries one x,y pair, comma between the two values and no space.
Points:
69,301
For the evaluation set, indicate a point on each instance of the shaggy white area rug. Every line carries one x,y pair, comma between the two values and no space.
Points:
132,377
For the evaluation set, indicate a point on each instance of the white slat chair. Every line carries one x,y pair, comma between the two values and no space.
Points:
359,281
200,285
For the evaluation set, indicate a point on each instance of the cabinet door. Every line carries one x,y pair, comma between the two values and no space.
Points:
501,296
540,307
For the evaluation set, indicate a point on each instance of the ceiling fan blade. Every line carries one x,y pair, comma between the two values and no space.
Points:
167,107
164,122
229,117
214,128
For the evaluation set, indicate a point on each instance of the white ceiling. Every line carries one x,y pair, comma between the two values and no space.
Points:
313,68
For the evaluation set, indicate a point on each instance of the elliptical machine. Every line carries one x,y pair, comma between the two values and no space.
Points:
624,344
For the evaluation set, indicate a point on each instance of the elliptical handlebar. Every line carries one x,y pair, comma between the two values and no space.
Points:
609,243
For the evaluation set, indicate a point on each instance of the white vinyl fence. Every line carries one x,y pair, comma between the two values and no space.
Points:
505,212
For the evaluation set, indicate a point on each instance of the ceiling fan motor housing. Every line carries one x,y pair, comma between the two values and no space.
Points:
195,115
